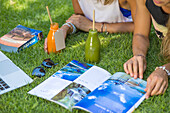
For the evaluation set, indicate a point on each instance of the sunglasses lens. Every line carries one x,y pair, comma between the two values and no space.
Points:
38,71
48,63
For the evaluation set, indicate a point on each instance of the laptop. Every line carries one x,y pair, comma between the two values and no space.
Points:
11,76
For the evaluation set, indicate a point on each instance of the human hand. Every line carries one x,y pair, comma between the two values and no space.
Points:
157,83
80,22
64,29
135,66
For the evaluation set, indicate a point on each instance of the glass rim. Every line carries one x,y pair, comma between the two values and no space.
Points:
91,29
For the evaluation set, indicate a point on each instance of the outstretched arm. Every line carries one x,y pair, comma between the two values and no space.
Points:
84,24
137,64
157,81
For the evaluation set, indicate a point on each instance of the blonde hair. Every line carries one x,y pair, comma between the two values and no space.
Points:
165,47
106,2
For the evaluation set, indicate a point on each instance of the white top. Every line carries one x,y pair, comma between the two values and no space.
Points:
103,13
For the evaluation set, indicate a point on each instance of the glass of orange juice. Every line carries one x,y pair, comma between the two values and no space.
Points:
51,48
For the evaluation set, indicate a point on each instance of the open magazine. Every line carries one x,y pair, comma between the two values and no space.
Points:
91,88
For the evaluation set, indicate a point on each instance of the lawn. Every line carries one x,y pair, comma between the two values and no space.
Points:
115,50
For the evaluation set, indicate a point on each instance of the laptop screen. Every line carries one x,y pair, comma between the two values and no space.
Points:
6,67
2,56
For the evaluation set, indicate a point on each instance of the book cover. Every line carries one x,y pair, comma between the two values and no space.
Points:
19,38
91,88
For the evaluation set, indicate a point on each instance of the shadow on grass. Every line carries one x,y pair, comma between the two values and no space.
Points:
33,14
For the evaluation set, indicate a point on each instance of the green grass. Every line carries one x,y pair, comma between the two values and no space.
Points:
116,49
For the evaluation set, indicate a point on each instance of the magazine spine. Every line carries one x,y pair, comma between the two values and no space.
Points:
29,43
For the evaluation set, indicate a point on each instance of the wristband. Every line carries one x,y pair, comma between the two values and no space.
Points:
106,29
140,55
102,27
74,27
164,69
67,25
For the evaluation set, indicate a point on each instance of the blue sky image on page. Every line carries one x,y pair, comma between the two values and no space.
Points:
72,70
117,95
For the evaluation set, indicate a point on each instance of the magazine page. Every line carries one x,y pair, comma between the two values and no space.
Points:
71,83
50,87
120,93
81,86
93,78
72,70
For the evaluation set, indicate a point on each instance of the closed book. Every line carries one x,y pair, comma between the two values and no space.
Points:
19,38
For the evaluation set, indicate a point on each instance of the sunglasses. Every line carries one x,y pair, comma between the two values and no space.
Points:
40,71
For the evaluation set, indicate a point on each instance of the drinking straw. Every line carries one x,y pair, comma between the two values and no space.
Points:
49,15
93,20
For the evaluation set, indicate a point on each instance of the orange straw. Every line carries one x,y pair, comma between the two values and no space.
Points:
49,15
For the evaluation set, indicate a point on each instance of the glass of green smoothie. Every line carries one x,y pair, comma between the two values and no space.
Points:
92,47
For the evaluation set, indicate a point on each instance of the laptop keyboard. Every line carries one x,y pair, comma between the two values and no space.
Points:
3,85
